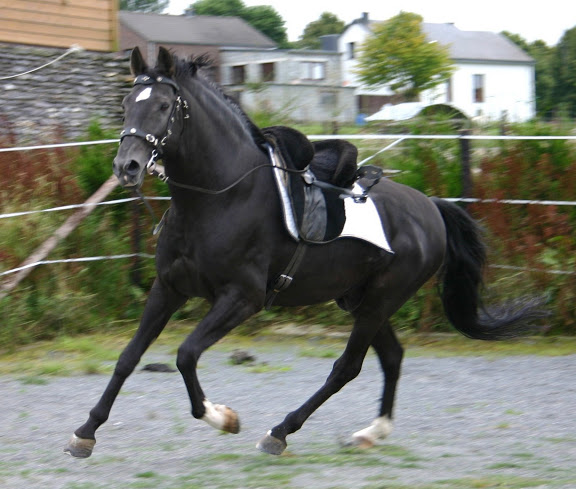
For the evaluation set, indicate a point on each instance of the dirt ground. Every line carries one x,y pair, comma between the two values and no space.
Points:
461,422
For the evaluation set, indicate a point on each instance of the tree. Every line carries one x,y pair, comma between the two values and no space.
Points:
262,17
545,78
268,21
518,40
398,54
565,72
328,23
544,71
153,6
231,8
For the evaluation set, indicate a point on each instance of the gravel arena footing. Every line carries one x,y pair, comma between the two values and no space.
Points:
460,423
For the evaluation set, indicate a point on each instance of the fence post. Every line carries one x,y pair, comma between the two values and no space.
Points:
136,239
466,174
62,232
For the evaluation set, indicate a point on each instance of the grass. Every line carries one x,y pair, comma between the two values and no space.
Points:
97,353
489,482
290,471
382,467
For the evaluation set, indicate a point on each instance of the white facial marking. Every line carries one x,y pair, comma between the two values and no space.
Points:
144,94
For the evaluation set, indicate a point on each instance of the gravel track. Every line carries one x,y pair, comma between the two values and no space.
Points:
461,422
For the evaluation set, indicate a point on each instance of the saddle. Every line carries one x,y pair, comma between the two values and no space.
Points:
311,179
327,169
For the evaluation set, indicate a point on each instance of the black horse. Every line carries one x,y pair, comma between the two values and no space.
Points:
224,239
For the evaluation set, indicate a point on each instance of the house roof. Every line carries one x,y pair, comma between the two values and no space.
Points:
475,45
199,29
468,45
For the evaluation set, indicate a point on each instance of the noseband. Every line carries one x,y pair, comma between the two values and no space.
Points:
157,142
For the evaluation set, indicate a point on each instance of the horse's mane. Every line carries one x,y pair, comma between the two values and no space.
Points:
192,68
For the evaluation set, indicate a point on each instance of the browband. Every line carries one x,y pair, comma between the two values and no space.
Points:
149,80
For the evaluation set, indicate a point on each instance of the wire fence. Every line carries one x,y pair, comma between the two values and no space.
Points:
397,138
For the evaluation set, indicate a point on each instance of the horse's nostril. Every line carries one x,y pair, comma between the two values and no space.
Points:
133,168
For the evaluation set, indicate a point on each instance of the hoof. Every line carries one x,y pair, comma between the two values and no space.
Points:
232,423
271,445
79,447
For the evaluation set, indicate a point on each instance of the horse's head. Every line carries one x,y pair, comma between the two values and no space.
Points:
150,114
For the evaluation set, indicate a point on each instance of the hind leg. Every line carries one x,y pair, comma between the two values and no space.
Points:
346,368
390,354
382,297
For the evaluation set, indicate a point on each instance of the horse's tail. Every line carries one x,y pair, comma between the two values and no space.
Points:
461,284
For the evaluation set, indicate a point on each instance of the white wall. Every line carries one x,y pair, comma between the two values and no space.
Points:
509,88
356,33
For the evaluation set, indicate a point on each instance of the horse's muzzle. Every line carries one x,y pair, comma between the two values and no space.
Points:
130,173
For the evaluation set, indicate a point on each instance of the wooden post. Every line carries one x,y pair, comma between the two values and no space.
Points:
465,162
69,225
135,272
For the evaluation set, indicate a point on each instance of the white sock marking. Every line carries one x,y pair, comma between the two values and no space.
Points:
378,430
215,414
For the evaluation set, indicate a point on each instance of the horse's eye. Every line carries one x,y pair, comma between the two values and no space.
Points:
165,106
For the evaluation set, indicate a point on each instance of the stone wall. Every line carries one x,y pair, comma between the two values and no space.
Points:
58,102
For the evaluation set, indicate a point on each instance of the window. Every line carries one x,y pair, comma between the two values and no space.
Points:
312,70
478,87
351,50
268,74
238,75
328,99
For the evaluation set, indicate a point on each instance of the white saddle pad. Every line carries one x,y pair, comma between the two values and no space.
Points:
363,221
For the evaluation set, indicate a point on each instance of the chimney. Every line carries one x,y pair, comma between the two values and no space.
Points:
364,17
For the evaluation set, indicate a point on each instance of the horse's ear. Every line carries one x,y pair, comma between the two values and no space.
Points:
137,64
165,62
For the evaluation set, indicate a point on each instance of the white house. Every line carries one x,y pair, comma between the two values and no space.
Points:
493,77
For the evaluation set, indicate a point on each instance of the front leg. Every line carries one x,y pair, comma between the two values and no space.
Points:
161,304
227,312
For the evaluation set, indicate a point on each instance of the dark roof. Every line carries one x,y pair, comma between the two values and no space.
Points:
200,29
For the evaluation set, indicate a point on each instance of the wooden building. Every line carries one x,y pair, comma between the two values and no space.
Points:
92,24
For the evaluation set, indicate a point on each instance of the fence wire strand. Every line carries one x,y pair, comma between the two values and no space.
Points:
398,138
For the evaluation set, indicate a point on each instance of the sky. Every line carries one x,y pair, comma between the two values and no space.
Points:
546,20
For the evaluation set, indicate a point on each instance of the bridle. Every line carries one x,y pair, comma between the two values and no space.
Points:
157,142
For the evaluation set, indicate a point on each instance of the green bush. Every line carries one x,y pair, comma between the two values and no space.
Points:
76,298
